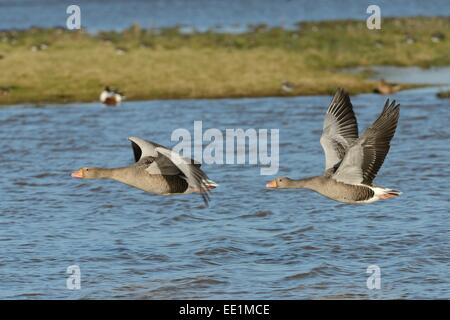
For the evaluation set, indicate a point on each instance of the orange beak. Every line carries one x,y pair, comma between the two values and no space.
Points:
272,184
77,174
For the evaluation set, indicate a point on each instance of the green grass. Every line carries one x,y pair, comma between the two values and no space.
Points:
57,65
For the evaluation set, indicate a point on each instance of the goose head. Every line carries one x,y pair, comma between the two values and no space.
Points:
88,173
280,183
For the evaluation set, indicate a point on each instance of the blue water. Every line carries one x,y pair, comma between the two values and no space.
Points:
252,242
438,76
229,15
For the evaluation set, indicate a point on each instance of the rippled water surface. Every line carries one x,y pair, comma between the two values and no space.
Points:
228,15
251,242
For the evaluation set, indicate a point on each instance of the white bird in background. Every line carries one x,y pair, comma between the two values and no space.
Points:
111,97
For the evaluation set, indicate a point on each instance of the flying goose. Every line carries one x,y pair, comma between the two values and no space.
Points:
157,170
111,97
351,163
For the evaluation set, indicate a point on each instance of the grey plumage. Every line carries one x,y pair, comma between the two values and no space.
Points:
366,155
340,129
158,160
351,163
157,169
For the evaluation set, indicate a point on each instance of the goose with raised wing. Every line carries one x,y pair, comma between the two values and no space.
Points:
157,170
351,162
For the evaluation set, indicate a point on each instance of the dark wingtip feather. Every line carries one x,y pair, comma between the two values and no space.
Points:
391,109
340,95
390,106
205,197
340,98
136,151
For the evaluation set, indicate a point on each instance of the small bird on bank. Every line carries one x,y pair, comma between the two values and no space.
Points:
157,170
437,37
351,163
287,87
4,91
384,87
111,97
409,39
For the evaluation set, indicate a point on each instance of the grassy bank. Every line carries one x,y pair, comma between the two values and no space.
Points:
57,65
444,94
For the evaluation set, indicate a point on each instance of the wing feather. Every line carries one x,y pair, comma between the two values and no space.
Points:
143,148
194,176
366,155
340,129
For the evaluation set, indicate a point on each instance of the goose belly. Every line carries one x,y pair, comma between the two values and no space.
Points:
159,184
347,193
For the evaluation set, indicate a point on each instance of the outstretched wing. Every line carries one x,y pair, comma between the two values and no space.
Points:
340,129
158,160
145,155
194,176
143,148
366,155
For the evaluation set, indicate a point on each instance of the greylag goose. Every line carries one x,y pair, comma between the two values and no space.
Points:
111,97
157,170
351,163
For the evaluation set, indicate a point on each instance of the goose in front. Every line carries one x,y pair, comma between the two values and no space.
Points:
351,163
111,97
157,170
